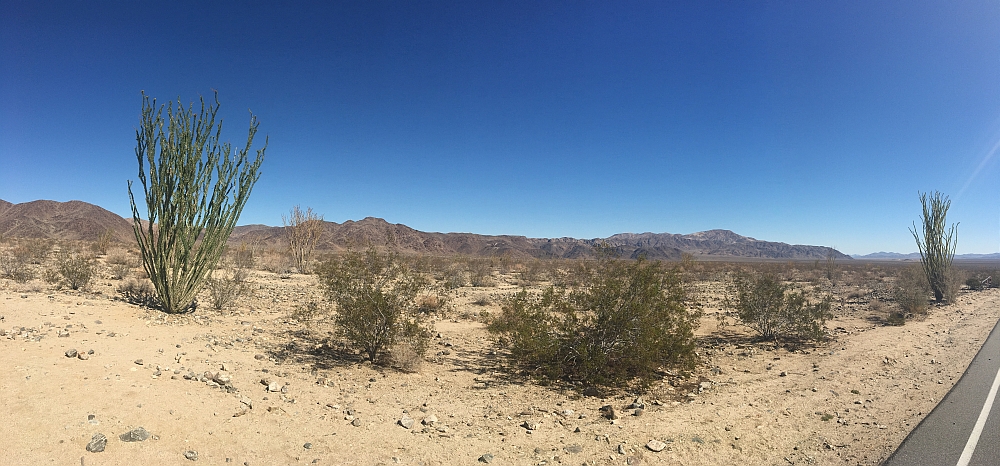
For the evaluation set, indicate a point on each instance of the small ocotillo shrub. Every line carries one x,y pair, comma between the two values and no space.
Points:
374,294
764,304
626,320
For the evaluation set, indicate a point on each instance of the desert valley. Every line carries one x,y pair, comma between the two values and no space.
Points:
266,379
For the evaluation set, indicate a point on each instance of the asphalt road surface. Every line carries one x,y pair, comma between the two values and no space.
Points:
964,428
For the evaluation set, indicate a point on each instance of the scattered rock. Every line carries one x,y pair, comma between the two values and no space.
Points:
274,387
71,353
97,443
637,404
356,422
259,357
307,445
591,391
609,412
656,445
191,455
486,458
222,378
135,435
138,362
574,448
530,425
406,422
429,420
83,356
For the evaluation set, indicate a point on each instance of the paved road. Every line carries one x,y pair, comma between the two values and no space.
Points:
943,437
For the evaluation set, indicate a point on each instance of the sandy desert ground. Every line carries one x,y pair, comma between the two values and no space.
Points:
288,398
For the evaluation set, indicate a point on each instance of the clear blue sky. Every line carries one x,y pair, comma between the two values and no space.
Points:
808,122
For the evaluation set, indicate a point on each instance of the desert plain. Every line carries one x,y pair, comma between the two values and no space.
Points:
266,381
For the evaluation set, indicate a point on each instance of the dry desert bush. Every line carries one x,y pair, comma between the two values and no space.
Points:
375,298
622,323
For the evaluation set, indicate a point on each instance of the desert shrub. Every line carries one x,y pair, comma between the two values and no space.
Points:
452,277
119,271
306,312
976,283
15,267
627,320
912,291
432,303
75,269
480,273
275,262
482,301
937,247
374,294
225,288
138,292
103,242
34,250
765,304
195,189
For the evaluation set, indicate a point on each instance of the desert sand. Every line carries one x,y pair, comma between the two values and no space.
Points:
289,396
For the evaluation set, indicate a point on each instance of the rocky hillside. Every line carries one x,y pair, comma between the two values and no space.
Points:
76,220
73,221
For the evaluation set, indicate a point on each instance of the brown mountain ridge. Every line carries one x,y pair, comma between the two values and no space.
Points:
81,221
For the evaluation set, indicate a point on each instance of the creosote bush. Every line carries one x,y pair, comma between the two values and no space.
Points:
912,293
75,269
765,304
625,321
138,292
227,286
374,294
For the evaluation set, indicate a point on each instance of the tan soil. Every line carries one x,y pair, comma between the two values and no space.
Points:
872,384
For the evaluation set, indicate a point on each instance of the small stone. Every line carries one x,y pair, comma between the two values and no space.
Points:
621,449
274,387
83,356
97,443
135,435
575,448
486,458
191,455
71,353
656,445
638,412
429,420
530,425
783,374
138,362
222,378
356,422
259,357
591,391
406,422
307,445
609,412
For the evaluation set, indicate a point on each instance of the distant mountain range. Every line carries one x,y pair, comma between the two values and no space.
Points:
76,220
895,256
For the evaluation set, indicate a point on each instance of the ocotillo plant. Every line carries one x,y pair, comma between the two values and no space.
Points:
937,248
302,229
188,187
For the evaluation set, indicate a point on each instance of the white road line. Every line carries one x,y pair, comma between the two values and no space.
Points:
970,446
